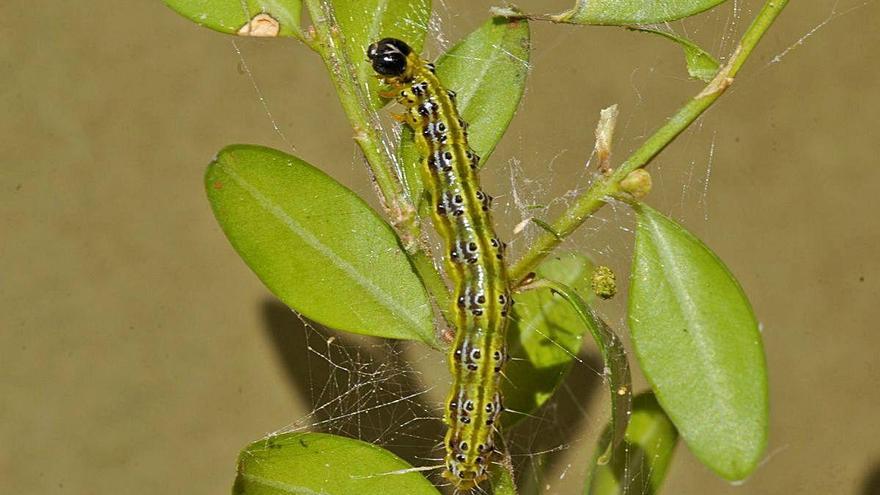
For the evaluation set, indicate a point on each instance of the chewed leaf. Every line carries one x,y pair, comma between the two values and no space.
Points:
698,343
316,245
628,12
318,463
638,465
700,64
544,337
365,21
487,70
263,18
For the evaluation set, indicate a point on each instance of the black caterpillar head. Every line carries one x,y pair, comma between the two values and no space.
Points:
388,56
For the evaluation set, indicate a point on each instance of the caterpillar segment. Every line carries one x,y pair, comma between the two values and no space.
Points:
474,258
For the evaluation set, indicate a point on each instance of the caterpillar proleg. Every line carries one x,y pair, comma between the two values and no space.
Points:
474,258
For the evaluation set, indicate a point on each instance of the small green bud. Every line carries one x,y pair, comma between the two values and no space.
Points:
604,282
637,183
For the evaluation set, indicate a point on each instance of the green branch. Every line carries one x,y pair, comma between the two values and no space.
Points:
597,195
328,42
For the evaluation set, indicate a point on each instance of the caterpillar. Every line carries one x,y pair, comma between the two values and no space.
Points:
474,258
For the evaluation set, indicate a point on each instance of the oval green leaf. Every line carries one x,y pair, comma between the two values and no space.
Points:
234,16
318,463
544,337
700,63
316,245
365,21
628,12
639,464
487,70
698,344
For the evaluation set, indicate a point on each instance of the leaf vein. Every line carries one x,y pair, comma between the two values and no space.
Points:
383,297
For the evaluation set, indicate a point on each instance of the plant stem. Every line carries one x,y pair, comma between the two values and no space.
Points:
329,44
392,193
597,195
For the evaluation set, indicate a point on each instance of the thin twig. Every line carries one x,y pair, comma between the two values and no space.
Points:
597,195
326,39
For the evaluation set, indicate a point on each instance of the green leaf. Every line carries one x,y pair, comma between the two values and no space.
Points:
230,16
699,345
626,12
700,64
365,21
316,245
487,70
501,478
638,465
544,337
318,463
617,376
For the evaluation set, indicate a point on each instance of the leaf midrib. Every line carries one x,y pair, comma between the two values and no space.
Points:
384,298
680,294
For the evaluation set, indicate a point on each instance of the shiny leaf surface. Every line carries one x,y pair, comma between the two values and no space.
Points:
318,463
544,338
698,344
700,64
639,464
316,245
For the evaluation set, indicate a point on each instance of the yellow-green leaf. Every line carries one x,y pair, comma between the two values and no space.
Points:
617,375
627,12
316,245
236,16
700,64
698,344
638,465
544,338
322,464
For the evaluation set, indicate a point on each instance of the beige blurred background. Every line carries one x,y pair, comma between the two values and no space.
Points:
138,354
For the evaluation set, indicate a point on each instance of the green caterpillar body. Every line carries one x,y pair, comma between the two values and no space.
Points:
474,258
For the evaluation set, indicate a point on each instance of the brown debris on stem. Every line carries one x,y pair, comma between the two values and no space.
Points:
261,26
605,136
